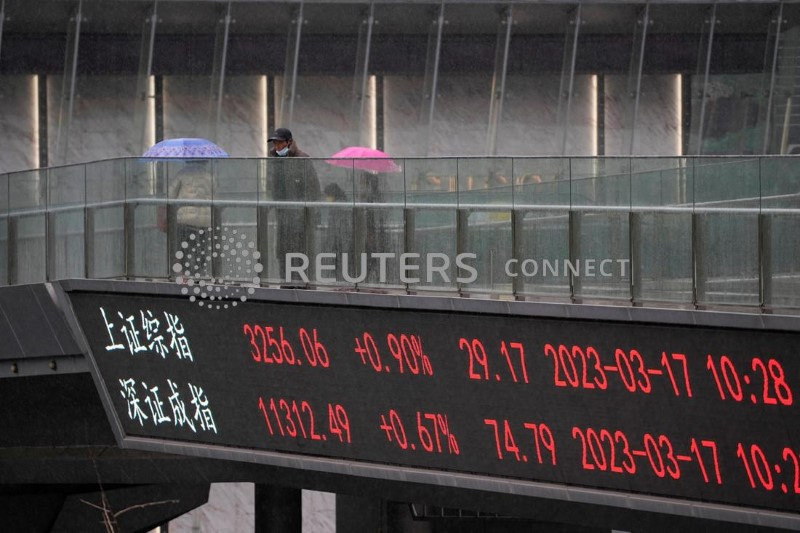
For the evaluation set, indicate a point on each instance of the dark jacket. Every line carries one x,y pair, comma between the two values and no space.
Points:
293,180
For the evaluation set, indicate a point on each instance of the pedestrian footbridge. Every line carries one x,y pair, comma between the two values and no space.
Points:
588,343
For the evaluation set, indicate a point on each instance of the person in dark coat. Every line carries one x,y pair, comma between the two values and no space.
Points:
293,181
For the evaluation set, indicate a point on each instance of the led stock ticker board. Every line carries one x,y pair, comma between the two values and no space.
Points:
703,414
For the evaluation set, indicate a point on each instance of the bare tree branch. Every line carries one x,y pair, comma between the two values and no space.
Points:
143,505
110,517
93,505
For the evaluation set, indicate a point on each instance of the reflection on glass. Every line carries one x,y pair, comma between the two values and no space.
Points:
146,221
101,125
661,196
185,106
658,124
727,199
732,115
485,196
529,122
783,134
241,128
402,102
322,123
431,200
459,120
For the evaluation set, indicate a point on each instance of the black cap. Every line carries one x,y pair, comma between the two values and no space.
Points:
281,134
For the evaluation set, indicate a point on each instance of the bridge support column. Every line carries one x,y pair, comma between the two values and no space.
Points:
278,509
356,513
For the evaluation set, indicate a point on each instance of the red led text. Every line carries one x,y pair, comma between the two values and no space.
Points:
511,353
298,421
767,382
270,344
542,438
433,432
405,349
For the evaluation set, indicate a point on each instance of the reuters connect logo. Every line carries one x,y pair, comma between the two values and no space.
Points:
236,259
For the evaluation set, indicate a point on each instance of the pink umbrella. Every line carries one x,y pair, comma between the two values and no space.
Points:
364,158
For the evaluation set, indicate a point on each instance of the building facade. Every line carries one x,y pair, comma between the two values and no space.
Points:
82,80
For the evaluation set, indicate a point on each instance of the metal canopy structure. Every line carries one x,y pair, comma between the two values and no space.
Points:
633,78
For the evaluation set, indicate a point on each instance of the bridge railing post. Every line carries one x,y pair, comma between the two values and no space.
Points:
309,240
765,260
409,228
88,242
262,239
462,237
517,252
574,232
635,246
12,250
699,281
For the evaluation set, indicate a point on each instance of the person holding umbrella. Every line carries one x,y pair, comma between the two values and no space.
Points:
370,167
190,190
291,181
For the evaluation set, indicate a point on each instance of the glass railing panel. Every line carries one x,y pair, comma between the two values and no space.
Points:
431,221
600,181
661,181
334,243
27,192
661,228
31,249
540,181
66,249
727,262
431,182
190,240
599,228
235,256
105,218
65,228
726,193
146,219
726,182
780,231
780,182
667,228
66,187
290,190
485,182
485,205
4,229
378,224
781,234
266,226
27,204
336,235
541,203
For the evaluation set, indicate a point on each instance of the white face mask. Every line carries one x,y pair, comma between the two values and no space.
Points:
282,152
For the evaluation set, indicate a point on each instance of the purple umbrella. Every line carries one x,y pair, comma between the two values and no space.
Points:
185,148
364,158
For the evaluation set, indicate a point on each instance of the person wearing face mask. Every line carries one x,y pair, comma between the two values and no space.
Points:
290,179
